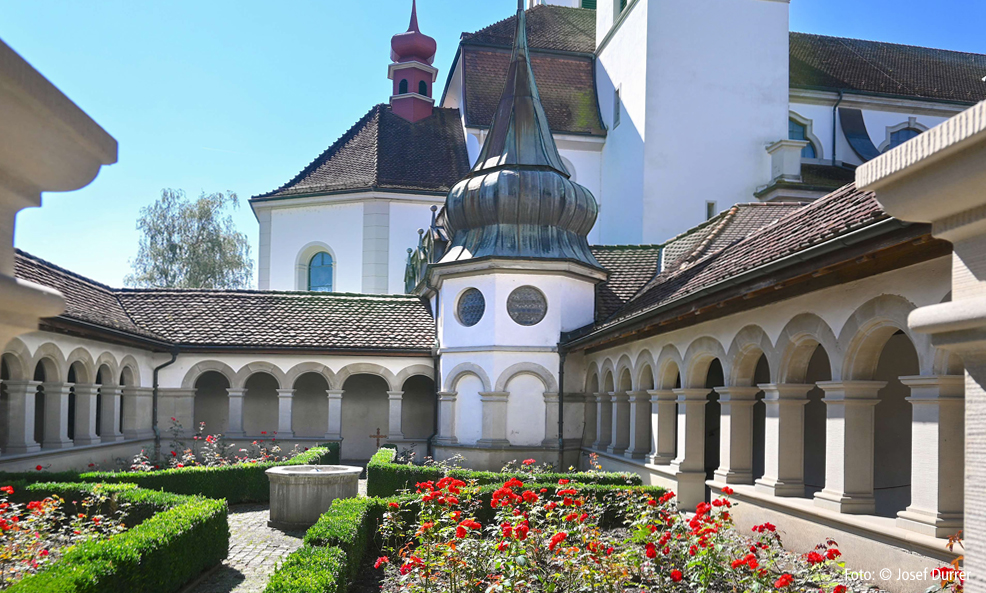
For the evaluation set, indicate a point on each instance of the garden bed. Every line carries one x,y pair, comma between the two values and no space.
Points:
170,539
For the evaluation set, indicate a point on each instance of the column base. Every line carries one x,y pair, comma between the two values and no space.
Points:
493,443
288,434
928,523
234,435
445,441
690,489
631,454
733,477
660,459
113,438
333,436
85,441
22,449
63,444
844,503
616,450
780,488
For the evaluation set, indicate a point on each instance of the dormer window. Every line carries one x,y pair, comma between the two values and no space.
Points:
901,136
402,87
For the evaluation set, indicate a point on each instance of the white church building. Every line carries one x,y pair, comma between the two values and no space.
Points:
631,228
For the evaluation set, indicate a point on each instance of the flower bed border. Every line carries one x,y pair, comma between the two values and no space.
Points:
386,478
244,482
180,537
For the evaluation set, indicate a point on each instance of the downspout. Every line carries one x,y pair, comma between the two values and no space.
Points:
561,409
835,126
154,405
438,378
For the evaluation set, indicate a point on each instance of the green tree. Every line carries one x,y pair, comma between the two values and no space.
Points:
188,243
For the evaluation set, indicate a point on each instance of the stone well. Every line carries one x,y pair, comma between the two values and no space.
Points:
299,494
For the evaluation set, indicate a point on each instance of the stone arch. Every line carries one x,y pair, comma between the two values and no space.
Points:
51,359
85,363
867,330
204,367
796,345
366,368
644,373
241,377
669,367
129,362
624,380
291,377
744,354
699,355
606,373
112,368
406,373
527,368
592,373
304,258
947,363
609,383
467,368
18,357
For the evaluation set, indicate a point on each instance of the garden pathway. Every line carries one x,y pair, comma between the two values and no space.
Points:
255,550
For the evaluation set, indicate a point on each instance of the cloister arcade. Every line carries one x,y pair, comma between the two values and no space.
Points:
868,421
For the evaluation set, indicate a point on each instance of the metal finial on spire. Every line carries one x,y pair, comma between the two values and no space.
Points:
414,16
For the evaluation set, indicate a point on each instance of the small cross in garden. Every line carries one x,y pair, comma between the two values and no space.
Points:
378,437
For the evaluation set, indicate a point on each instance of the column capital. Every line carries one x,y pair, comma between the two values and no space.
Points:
334,393
236,391
657,395
639,396
929,389
737,393
86,388
864,393
551,396
786,391
288,393
111,390
493,396
622,396
395,394
447,396
692,394
138,391
57,387
21,385
602,396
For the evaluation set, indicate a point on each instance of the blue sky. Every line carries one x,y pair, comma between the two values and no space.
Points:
240,95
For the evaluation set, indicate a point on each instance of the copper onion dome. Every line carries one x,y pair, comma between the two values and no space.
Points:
518,200
413,46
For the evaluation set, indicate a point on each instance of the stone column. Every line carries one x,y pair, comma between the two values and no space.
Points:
551,412
334,432
285,399
589,430
639,446
663,421
235,430
85,414
178,403
135,416
446,418
784,439
20,417
736,434
109,430
849,446
619,433
494,418
604,421
56,415
937,455
689,465
395,429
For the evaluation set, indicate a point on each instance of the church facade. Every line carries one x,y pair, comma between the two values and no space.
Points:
601,239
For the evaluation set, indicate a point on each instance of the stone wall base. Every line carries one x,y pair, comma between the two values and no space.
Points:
483,458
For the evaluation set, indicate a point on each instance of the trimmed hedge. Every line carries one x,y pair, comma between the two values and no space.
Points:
245,482
174,540
310,570
386,478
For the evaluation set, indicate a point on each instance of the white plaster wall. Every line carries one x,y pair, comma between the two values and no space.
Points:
405,220
468,410
340,226
717,94
525,410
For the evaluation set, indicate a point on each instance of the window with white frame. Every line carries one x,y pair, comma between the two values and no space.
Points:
799,131
320,269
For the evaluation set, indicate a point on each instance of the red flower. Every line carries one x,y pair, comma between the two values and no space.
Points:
650,551
652,503
381,561
39,468
173,454
529,462
727,491
764,528
513,483
556,539
530,497
7,489
502,546
173,419
393,505
563,481
43,552
676,575
833,554
263,432
814,558
520,532
839,589
784,580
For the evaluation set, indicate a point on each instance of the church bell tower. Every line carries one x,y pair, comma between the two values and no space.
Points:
412,54
517,273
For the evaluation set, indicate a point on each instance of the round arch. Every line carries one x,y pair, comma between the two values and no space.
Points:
699,355
18,358
592,372
85,362
204,367
295,372
467,368
241,377
624,364
365,368
527,368
51,359
129,362
870,327
305,256
744,354
112,368
414,370
796,345
669,366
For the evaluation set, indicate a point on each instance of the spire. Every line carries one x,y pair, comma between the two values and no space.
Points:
413,45
413,26
519,134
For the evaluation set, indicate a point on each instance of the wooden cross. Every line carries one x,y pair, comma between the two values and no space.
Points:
378,437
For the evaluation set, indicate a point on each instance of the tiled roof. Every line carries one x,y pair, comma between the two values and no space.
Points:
549,27
566,85
833,63
630,267
264,319
241,319
838,213
385,151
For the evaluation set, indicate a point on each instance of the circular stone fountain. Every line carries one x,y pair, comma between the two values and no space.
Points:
299,494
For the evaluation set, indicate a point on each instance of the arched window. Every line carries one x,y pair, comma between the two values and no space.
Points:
799,131
901,136
320,272
423,88
402,87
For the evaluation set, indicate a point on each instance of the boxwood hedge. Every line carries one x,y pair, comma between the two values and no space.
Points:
386,478
174,538
312,570
245,482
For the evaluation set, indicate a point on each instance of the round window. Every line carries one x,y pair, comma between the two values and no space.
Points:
471,307
527,305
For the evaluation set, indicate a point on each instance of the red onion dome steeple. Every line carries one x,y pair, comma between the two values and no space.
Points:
413,46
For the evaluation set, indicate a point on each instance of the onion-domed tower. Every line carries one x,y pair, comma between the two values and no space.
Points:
412,54
517,273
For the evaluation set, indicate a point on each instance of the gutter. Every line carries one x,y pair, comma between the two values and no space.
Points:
561,409
436,382
154,406
835,130
877,229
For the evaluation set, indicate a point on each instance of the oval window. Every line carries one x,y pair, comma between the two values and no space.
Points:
471,307
527,306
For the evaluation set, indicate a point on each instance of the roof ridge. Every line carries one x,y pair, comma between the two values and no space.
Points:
924,47
716,231
64,271
333,148
259,292
628,246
